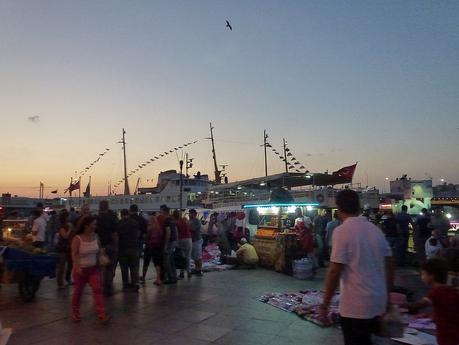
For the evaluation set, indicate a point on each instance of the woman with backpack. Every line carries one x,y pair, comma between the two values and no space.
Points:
153,250
62,246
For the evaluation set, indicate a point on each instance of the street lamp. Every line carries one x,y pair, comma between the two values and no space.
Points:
387,180
442,180
181,186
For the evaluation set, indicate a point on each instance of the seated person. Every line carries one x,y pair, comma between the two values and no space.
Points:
246,254
442,298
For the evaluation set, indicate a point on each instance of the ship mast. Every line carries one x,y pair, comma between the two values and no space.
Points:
217,172
285,155
126,182
265,136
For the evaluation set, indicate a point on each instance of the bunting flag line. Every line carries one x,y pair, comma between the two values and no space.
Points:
153,159
293,163
88,167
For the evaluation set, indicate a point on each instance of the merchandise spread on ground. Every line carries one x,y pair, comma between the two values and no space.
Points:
305,304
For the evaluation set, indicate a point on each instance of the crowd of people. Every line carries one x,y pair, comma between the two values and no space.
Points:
429,233
361,263
90,247
361,250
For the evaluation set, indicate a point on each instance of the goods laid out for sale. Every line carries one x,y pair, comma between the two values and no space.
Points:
211,259
305,304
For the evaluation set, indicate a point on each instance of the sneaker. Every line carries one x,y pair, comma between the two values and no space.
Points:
182,275
103,319
142,280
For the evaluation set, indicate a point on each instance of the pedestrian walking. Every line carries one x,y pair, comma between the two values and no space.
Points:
108,237
63,247
320,225
128,231
422,232
170,243
134,213
361,263
52,228
85,210
389,228
404,223
331,226
197,241
85,253
184,241
154,250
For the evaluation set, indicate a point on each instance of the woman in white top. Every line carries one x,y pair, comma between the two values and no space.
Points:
85,256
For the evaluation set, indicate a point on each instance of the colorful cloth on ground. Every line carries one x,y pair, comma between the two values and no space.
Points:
305,304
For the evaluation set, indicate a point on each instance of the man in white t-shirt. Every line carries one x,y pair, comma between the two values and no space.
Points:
361,263
38,229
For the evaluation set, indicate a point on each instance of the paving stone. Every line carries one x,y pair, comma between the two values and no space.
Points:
220,308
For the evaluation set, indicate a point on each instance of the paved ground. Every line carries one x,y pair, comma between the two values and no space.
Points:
220,308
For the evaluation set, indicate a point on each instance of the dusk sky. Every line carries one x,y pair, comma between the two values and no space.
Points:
343,81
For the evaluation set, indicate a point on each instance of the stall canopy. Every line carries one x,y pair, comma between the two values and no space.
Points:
290,180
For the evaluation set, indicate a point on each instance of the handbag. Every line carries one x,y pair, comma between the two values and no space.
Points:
104,260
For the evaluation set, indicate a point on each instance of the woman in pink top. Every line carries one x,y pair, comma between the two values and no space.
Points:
85,256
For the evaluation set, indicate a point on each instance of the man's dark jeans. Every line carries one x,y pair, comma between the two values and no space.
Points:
129,262
358,331
108,272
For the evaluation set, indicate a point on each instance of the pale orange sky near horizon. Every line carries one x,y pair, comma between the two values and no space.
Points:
374,83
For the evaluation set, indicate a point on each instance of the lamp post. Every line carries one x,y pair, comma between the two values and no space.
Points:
386,181
181,186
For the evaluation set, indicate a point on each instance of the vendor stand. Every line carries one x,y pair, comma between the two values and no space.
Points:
275,240
21,263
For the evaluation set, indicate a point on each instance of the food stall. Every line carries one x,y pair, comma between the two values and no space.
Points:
20,262
275,240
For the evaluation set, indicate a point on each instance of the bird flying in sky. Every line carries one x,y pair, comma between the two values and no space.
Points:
34,119
228,25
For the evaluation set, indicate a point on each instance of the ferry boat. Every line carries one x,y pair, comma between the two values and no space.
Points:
167,191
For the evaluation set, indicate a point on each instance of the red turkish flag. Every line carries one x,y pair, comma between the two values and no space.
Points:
346,172
74,186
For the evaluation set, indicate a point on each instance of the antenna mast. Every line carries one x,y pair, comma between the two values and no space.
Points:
218,178
126,182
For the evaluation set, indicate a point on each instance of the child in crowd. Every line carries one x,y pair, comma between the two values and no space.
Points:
443,299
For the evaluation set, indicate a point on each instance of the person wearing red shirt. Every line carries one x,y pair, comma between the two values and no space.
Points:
443,299
184,241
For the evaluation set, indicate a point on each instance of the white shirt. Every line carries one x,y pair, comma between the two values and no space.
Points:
39,226
362,248
433,251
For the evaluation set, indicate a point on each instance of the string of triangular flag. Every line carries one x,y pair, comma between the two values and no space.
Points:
153,159
292,162
91,165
